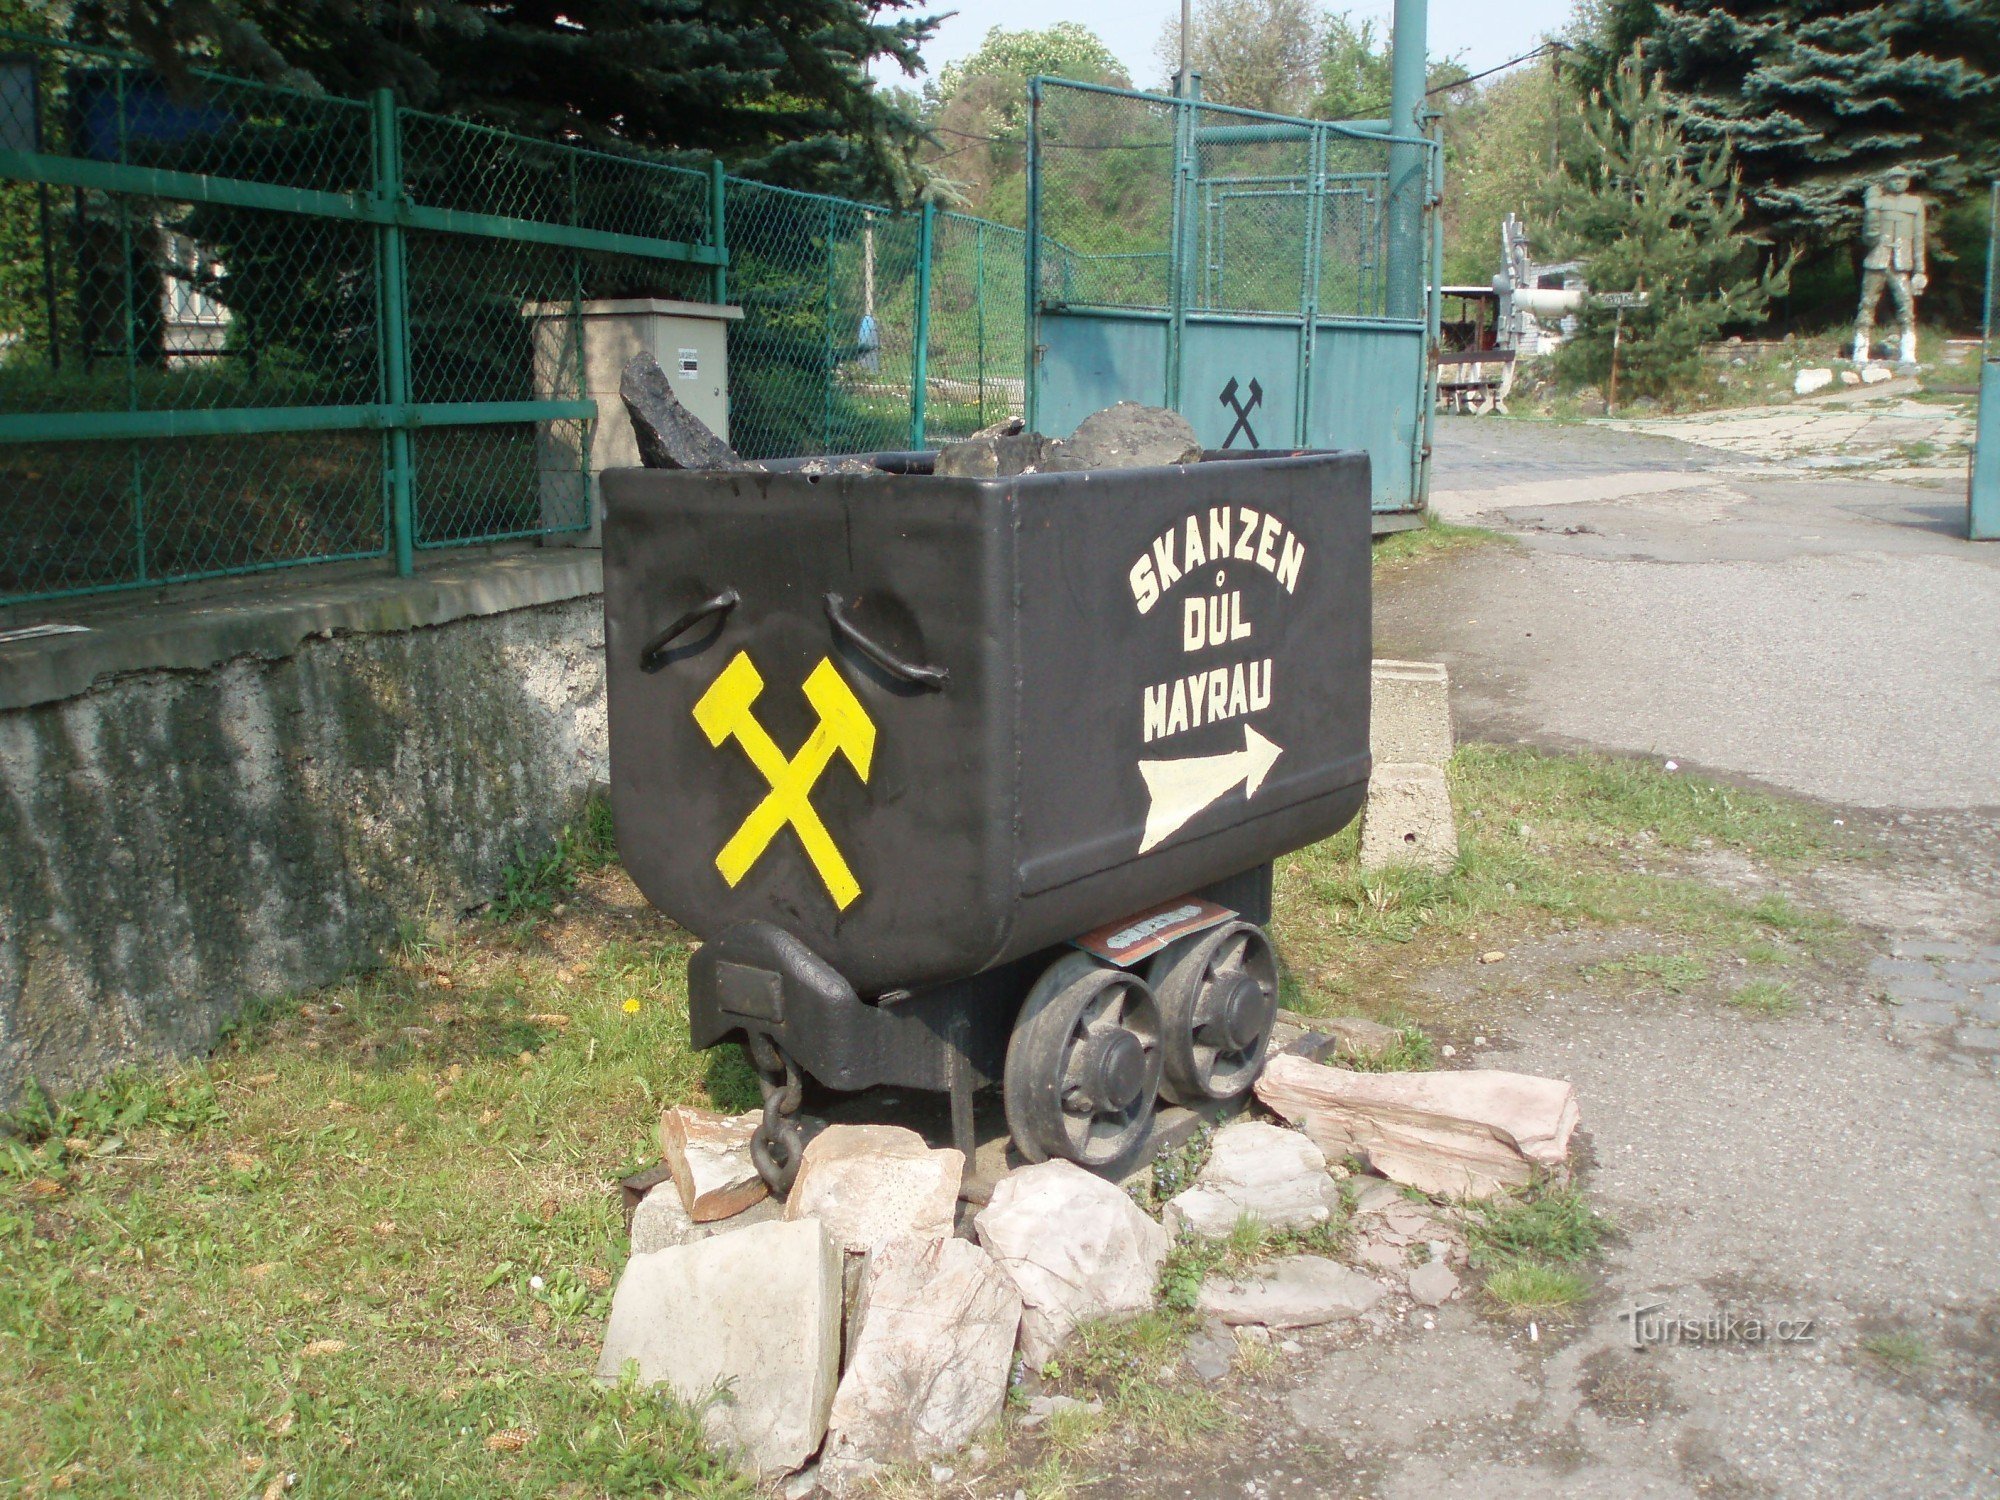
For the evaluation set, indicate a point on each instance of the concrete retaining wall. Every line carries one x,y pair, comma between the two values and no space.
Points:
176,842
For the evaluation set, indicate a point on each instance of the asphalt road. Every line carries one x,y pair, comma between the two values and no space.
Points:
1837,1167
1833,636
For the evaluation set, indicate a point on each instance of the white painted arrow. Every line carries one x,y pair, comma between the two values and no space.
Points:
1182,788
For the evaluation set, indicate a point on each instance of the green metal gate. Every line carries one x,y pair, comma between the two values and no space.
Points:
1245,269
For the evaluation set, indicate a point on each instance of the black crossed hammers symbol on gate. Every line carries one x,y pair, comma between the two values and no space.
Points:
1242,410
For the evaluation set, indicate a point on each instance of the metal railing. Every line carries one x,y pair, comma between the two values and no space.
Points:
244,327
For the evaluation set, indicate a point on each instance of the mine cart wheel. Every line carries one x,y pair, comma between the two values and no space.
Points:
1218,1001
1083,1066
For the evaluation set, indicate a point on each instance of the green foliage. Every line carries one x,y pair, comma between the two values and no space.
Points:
1411,1052
1254,54
1899,1349
1549,1225
119,1107
1533,1287
998,72
535,880
1647,213
1765,997
779,89
1815,101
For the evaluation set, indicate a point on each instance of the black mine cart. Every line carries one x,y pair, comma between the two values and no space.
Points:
975,781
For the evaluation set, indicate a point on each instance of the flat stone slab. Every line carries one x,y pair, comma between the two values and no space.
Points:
1301,1291
1260,1171
751,1319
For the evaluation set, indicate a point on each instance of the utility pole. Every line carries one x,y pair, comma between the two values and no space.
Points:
1187,46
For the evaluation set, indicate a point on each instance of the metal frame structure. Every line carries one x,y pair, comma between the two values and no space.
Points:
1399,276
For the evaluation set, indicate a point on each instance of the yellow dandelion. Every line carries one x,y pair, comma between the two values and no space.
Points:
632,1007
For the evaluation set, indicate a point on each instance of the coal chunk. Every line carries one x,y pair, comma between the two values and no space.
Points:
670,436
1127,436
994,456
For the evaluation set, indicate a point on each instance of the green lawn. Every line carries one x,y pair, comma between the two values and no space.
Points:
370,1242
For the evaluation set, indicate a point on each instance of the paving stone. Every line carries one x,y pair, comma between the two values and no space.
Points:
1985,1038
1927,1013
1300,1291
1983,1010
1925,990
1900,968
1210,1354
1433,1283
1934,948
1971,971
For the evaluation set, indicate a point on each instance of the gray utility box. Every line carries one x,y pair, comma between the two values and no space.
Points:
689,339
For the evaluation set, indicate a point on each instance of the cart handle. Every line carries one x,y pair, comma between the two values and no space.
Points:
654,656
929,679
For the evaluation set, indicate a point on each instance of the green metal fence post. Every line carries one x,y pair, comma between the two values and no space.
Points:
393,309
1031,264
1983,490
718,238
920,352
1315,234
1409,175
1177,246
979,307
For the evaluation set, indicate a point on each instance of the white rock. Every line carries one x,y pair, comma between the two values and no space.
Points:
1075,1246
1300,1291
709,1155
754,1315
1876,374
1433,1283
1276,1176
1809,381
660,1222
1472,1133
871,1183
1849,377
930,1351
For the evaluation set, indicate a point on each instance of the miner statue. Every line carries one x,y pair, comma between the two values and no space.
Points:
1892,229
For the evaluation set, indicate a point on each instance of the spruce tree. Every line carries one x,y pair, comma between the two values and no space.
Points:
1817,98
1646,213
778,88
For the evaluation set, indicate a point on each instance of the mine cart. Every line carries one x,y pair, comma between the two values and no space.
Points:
975,781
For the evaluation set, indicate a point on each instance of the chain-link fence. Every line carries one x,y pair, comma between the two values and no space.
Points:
1276,216
243,327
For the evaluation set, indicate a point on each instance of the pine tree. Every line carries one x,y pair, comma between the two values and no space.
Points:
1647,213
1817,97
778,88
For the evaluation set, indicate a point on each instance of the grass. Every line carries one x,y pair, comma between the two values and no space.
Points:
1899,1349
1534,1287
1765,997
1129,1365
1551,1225
1429,540
370,1243
1411,1052
1549,842
1249,1242
1532,1246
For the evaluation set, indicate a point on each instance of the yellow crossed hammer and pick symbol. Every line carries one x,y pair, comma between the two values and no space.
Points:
844,728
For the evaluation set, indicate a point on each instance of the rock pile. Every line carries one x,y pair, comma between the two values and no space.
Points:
855,1326
1455,1134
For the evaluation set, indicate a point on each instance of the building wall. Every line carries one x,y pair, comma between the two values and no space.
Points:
175,843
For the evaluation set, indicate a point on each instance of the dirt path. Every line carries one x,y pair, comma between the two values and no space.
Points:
1837,1168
